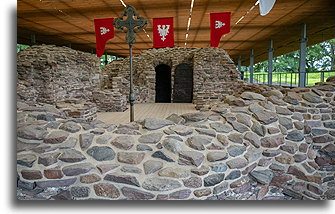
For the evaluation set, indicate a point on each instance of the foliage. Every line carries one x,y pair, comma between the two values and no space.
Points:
319,57
20,47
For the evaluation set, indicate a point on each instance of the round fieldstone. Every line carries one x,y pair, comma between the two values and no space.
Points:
237,163
265,117
72,156
193,182
311,97
221,127
174,172
101,153
91,178
181,130
180,194
247,95
198,142
253,139
161,155
85,140
80,192
151,138
239,127
286,122
152,166
194,117
259,129
70,127
32,132
77,169
262,176
56,137
236,138
160,184
31,174
143,147
176,119
202,192
123,179
48,159
155,123
216,156
26,160
208,132
123,142
295,136
135,194
104,139
233,175
213,179
131,157
172,145
106,190
190,158
236,150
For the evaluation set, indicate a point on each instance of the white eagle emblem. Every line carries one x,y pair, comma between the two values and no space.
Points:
164,31
219,24
103,30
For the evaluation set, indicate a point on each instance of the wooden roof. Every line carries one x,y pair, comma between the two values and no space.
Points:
64,22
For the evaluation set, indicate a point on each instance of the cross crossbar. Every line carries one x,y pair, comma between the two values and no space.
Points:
131,25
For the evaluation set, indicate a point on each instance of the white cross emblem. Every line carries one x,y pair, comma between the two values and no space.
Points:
219,24
103,30
164,31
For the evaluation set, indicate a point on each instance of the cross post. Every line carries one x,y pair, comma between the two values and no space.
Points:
130,23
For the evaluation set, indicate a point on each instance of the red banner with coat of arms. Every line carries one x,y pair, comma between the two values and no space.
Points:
163,35
104,30
220,25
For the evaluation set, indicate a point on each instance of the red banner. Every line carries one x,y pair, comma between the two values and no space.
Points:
220,25
163,32
104,30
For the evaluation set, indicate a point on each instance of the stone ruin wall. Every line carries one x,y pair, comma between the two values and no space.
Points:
214,73
270,145
65,77
258,143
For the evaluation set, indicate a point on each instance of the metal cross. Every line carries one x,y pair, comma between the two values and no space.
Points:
130,23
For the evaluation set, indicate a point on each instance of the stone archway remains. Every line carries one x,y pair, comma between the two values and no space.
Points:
183,84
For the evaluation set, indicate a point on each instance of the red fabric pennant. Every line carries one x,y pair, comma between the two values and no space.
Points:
220,25
104,30
163,34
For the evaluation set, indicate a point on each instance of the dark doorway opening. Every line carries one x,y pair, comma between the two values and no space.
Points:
163,84
183,84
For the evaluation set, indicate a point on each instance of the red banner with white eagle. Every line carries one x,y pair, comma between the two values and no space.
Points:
163,32
220,25
104,30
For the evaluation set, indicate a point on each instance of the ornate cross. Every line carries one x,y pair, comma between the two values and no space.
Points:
130,23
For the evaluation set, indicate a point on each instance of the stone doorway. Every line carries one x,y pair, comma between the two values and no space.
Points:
163,84
183,84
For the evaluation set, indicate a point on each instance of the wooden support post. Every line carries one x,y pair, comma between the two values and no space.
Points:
32,39
270,61
302,59
239,62
251,67
106,61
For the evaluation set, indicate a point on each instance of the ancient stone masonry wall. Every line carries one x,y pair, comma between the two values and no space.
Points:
51,74
214,73
269,145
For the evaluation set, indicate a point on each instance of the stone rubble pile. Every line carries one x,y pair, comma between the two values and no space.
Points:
51,74
265,145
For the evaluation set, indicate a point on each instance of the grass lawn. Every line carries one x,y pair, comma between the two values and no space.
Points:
287,78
